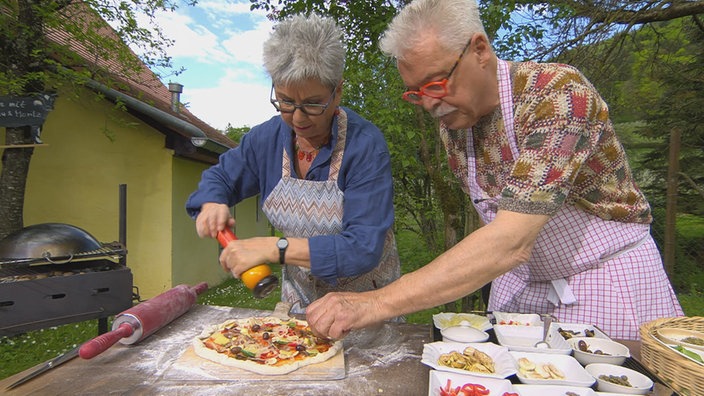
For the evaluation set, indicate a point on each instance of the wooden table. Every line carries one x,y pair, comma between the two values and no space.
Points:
384,360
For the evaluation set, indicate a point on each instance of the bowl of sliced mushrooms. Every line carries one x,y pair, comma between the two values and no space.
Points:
588,350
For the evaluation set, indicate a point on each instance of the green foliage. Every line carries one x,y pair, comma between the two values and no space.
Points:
233,293
236,133
688,276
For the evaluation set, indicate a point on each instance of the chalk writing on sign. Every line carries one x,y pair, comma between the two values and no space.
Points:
18,111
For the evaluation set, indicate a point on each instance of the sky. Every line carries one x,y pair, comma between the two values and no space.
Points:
219,43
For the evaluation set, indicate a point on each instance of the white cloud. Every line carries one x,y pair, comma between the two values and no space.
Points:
247,46
234,102
191,39
221,42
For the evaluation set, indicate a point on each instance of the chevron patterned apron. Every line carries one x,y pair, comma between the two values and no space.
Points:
583,269
318,210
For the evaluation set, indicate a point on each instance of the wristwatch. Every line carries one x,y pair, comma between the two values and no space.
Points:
282,244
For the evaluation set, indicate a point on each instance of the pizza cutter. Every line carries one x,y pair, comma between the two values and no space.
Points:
282,310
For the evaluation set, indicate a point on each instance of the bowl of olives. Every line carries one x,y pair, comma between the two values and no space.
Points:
618,379
588,350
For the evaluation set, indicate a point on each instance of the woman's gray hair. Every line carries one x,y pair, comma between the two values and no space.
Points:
453,21
303,47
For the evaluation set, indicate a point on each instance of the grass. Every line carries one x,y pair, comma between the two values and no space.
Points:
26,350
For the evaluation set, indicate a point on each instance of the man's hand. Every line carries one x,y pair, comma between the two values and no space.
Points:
336,314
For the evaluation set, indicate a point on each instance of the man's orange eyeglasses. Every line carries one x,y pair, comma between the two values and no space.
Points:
434,89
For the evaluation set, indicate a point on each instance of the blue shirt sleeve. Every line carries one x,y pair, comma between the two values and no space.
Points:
251,168
365,179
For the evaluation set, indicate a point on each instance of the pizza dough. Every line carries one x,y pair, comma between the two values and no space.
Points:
267,345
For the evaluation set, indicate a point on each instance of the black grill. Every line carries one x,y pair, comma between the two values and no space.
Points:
58,274
36,294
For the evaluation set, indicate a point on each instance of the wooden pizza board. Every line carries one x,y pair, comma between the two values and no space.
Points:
190,366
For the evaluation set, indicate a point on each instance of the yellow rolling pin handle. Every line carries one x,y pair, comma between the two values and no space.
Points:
258,279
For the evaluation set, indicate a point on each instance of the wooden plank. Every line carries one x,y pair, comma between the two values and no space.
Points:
191,367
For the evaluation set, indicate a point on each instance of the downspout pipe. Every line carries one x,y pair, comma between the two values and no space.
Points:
188,129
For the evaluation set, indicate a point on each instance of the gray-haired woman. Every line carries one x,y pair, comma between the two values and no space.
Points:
323,172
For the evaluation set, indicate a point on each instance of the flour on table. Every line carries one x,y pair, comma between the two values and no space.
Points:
156,353
379,346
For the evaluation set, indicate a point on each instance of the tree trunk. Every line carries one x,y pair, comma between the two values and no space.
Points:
13,179
23,54
671,205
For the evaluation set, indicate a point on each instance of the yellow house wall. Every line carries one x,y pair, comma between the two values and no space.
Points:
196,260
90,150
76,178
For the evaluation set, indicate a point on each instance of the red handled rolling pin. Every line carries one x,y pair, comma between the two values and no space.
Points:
145,318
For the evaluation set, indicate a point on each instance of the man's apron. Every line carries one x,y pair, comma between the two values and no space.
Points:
305,208
582,269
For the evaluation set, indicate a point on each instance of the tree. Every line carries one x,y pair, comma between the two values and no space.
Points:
544,30
49,47
521,29
236,133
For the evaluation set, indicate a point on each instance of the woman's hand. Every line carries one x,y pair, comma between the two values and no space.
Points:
213,217
242,254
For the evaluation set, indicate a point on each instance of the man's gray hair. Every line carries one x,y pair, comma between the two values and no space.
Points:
452,21
303,48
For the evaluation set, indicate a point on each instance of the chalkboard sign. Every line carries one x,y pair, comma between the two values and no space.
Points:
19,111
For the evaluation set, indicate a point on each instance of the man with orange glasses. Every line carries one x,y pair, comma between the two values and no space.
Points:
567,231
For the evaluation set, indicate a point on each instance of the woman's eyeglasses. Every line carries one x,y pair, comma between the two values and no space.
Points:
313,109
434,89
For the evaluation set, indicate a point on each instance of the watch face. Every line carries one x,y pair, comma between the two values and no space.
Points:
282,243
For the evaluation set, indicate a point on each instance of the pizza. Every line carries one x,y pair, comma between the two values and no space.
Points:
265,345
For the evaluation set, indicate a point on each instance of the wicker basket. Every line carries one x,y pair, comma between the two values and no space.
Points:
679,373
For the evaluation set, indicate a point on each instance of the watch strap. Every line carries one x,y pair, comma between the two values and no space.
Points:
282,244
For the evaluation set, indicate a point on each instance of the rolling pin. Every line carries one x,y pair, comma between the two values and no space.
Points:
145,318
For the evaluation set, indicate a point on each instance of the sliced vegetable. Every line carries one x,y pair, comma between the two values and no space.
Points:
688,353
464,390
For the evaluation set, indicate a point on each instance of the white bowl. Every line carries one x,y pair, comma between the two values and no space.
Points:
438,379
641,384
517,319
578,330
463,333
614,352
504,365
444,320
523,339
574,373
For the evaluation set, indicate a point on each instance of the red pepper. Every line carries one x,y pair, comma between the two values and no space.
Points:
474,390
447,391
464,390
510,394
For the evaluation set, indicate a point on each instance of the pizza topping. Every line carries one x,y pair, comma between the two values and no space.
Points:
266,342
470,359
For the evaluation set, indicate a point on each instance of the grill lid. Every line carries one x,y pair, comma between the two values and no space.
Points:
51,242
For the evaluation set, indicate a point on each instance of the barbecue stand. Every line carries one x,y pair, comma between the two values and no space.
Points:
53,274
